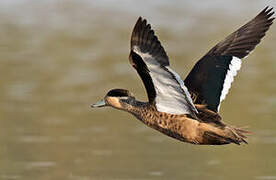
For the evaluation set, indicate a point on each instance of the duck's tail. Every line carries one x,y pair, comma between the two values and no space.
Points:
239,135
226,136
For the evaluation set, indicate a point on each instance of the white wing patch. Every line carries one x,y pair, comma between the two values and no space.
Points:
171,94
184,88
234,66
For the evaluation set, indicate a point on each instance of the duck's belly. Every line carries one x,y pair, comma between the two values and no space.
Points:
188,130
183,129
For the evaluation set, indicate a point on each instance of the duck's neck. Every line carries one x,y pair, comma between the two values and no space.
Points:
135,107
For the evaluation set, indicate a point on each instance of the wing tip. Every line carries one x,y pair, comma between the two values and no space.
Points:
267,13
144,39
246,38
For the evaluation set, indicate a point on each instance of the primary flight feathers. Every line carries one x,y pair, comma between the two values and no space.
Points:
241,42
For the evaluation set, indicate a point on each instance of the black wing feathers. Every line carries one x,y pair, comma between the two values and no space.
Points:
144,38
241,42
205,83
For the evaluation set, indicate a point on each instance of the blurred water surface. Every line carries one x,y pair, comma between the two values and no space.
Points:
58,57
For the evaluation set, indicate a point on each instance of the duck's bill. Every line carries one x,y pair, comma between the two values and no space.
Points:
100,103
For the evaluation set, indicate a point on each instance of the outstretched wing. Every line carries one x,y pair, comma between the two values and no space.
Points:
164,87
211,77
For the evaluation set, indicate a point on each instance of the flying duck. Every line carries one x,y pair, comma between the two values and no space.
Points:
188,110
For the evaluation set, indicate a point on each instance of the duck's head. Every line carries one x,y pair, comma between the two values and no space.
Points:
117,98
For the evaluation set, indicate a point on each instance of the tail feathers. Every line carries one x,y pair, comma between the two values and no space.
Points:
212,138
239,135
229,135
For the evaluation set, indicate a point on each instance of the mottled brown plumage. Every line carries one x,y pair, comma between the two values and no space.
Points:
170,108
209,130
